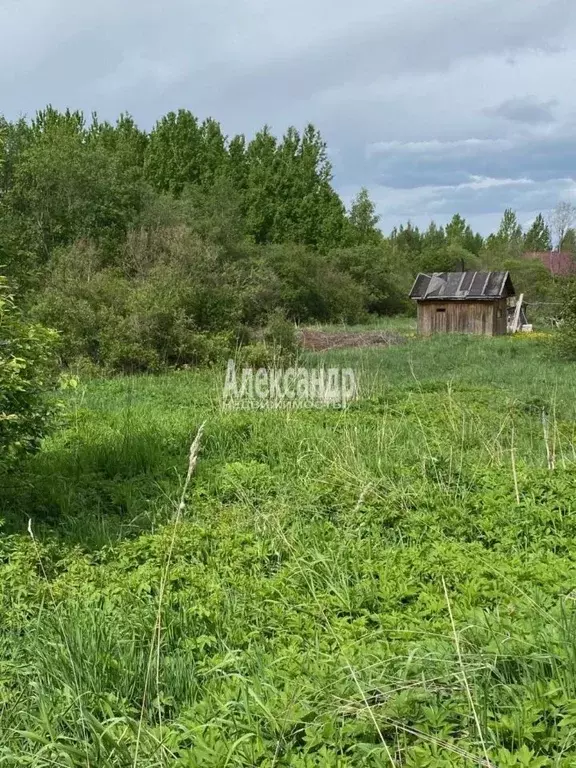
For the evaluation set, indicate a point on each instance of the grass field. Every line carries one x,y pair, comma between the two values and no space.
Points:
396,324
386,585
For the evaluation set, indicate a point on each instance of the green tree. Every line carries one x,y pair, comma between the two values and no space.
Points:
124,140
363,220
507,243
457,230
537,238
213,153
569,241
323,212
407,242
460,234
434,238
14,137
433,251
65,187
16,256
310,211
287,169
261,186
237,169
509,230
174,152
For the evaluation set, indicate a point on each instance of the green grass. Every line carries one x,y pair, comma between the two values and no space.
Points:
396,324
388,585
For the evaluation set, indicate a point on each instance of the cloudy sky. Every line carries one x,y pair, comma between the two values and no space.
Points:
436,106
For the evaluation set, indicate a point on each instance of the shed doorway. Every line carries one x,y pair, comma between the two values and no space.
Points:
440,320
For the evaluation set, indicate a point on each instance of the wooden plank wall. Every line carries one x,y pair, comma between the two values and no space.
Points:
476,317
500,317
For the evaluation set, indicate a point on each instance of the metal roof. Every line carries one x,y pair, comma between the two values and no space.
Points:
467,286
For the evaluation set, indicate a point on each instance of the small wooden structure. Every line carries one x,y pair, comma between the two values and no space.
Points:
463,302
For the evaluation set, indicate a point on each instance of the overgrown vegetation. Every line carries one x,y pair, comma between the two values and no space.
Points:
27,371
169,248
391,584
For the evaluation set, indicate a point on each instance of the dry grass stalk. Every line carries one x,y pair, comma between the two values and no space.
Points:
156,638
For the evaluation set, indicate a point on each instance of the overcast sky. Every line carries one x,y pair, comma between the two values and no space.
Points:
436,106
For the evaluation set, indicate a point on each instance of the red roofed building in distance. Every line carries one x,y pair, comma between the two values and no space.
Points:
558,263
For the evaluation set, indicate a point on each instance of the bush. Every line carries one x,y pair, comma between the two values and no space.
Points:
281,335
171,302
27,370
533,279
312,289
385,280
174,299
565,341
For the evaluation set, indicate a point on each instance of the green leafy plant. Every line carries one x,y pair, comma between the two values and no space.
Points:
27,371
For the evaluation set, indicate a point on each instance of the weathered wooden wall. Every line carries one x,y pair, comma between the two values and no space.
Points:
477,317
500,317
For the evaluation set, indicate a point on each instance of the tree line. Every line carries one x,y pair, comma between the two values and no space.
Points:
169,247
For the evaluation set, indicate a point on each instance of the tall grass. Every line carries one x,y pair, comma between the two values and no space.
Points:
388,585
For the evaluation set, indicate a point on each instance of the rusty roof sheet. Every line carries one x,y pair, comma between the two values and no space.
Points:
462,286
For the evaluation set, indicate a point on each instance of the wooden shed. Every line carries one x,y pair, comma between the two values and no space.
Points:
462,302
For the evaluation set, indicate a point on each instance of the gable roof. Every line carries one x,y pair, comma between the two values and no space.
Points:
459,286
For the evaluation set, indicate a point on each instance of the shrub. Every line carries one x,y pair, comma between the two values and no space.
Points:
565,341
281,334
26,370
311,289
154,310
384,278
173,299
256,355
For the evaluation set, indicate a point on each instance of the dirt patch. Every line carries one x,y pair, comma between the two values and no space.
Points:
319,341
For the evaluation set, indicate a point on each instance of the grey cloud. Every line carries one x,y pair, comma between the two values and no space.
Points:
478,202
418,41
424,180
254,63
539,159
527,110
413,165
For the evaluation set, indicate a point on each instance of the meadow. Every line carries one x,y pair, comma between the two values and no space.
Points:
392,584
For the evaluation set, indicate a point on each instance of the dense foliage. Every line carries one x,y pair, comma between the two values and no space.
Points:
27,366
157,248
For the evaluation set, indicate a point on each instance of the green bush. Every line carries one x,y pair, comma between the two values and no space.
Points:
565,340
171,302
384,279
26,371
281,334
172,298
312,289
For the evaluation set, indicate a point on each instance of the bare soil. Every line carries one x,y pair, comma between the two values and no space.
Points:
319,341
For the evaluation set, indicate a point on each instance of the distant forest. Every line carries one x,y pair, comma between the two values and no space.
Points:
170,247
